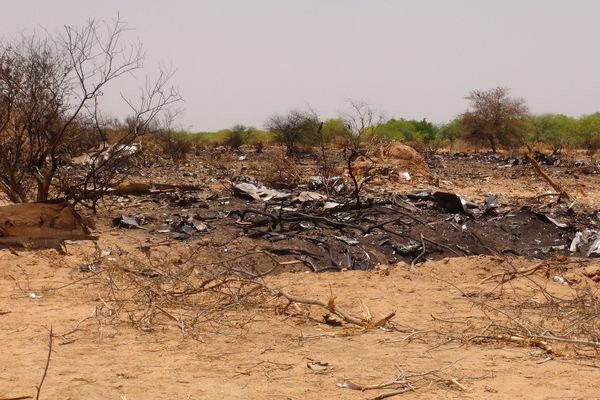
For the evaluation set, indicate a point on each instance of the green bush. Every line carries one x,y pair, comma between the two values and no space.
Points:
556,130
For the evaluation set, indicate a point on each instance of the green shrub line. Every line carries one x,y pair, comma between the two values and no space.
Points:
557,132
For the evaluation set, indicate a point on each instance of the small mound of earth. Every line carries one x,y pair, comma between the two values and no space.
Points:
395,162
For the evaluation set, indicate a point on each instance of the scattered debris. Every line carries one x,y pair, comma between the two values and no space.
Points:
559,279
546,218
126,222
252,192
594,250
576,243
303,197
335,182
538,170
317,366
347,240
90,267
453,203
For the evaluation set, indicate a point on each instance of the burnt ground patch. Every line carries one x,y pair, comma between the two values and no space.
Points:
412,228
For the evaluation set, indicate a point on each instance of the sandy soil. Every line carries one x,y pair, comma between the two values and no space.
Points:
268,357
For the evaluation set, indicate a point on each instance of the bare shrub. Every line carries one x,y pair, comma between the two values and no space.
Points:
50,94
294,128
361,121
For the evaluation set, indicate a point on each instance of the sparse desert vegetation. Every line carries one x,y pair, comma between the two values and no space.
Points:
357,256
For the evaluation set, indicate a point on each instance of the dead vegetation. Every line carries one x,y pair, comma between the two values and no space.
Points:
195,296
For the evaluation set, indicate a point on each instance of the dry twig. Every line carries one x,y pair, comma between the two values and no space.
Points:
38,387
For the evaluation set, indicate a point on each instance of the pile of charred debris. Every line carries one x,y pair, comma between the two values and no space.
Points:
310,230
330,233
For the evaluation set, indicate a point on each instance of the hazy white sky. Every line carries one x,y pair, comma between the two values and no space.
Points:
239,61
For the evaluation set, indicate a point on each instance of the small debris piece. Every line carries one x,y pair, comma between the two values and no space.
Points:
304,197
422,195
574,247
336,182
126,222
491,203
349,385
251,191
594,250
347,240
275,237
201,226
89,267
317,366
330,205
332,320
559,279
451,202
546,218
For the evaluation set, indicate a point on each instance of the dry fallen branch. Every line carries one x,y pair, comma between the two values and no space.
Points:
332,308
538,170
534,316
197,294
404,383
38,387
507,276
16,398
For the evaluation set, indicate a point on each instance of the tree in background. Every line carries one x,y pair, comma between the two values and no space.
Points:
294,128
557,130
589,132
237,136
334,128
414,132
495,118
450,131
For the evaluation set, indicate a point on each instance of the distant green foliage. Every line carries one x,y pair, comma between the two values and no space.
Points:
237,136
589,132
410,131
334,128
557,130
450,132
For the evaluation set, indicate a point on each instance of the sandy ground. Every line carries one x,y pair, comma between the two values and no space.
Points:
268,359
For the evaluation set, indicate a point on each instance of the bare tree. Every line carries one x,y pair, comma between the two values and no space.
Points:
361,120
293,127
50,94
495,118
